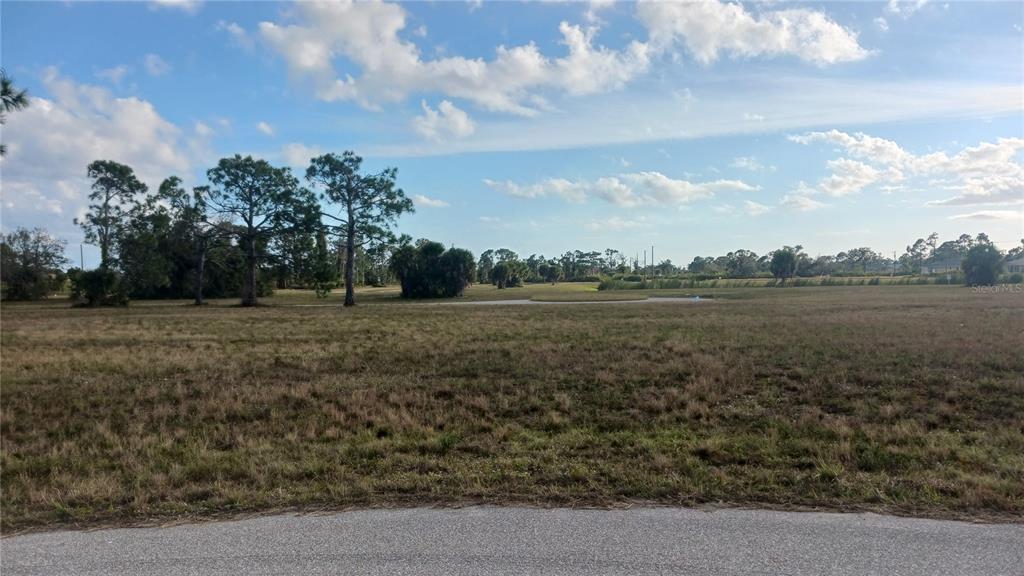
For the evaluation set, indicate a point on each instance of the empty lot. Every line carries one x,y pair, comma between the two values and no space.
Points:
889,398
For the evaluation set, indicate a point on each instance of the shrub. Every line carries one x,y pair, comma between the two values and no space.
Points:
100,287
429,271
982,265
1017,278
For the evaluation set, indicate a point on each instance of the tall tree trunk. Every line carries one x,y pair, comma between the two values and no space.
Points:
200,268
249,285
104,249
350,264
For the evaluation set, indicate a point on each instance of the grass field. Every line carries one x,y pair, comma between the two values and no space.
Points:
905,399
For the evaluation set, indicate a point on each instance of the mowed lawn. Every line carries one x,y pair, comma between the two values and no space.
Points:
890,398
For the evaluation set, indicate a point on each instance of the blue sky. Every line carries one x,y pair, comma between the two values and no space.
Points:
699,128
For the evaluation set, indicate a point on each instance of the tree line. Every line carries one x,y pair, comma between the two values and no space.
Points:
252,225
255,227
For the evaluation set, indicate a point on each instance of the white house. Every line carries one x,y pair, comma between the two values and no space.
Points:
941,266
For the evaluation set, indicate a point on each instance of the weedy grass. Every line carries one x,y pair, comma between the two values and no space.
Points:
902,399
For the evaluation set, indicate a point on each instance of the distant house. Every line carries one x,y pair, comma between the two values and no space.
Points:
1015,266
941,266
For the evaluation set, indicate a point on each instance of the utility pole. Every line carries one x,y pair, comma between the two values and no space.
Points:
81,256
654,271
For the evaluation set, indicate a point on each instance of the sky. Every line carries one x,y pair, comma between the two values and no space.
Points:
697,128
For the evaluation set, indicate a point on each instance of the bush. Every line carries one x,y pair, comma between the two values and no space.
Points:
1017,278
100,287
982,265
429,271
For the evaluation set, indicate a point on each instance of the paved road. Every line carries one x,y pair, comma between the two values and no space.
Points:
488,541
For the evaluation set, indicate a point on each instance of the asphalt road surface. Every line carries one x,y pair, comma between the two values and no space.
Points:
483,541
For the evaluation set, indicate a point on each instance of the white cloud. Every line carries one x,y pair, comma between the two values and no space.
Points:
788,103
238,34
447,121
753,117
989,173
298,155
848,176
594,8
751,164
755,209
991,215
114,74
800,203
882,24
155,65
203,129
905,8
552,187
615,224
489,219
710,28
422,201
188,6
265,128
634,189
366,34
51,142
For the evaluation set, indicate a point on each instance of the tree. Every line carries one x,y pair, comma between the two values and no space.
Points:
191,216
11,99
264,201
1016,252
369,205
324,272
741,264
550,271
501,274
429,271
982,265
30,264
783,264
457,271
485,265
509,273
145,251
114,188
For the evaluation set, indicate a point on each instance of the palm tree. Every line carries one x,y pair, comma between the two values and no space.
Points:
10,99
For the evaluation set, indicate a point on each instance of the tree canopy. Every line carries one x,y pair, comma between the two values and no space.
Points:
31,263
367,205
262,201
114,191
427,270
982,264
11,99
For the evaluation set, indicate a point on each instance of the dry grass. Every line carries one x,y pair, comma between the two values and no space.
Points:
902,399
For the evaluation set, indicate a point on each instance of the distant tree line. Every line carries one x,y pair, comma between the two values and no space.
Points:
200,243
